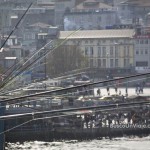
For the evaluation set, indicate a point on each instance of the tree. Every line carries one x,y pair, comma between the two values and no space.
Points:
1,73
1,69
65,58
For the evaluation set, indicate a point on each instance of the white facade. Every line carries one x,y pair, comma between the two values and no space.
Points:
142,53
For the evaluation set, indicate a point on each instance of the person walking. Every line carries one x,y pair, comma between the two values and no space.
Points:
126,91
98,92
108,90
116,89
119,92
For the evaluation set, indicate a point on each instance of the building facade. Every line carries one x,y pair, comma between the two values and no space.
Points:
90,20
105,49
90,15
135,12
142,49
60,8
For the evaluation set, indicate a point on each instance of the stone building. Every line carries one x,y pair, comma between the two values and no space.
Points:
142,49
90,15
60,8
105,49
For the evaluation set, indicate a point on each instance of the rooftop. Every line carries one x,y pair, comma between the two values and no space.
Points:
94,34
10,58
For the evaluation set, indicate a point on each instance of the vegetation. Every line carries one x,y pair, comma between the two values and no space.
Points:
1,69
65,58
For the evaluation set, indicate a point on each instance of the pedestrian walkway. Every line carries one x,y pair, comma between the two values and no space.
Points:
122,91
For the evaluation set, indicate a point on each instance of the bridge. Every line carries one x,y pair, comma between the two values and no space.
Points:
131,91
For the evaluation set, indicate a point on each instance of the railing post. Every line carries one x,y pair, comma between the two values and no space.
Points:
2,137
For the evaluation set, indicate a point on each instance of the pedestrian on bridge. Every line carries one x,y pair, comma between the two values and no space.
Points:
108,90
98,92
126,91
116,89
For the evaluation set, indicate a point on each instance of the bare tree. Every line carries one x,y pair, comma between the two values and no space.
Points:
65,58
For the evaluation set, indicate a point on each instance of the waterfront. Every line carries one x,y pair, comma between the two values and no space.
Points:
125,143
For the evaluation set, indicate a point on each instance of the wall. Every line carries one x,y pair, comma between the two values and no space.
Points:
104,52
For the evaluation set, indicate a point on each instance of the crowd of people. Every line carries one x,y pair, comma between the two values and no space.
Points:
100,119
138,90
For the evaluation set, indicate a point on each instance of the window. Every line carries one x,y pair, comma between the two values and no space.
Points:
141,63
116,41
146,51
112,41
91,41
91,51
86,51
103,41
104,51
116,63
137,52
116,51
111,62
126,62
124,49
86,42
104,63
98,42
128,50
99,62
78,42
146,41
99,51
111,51
141,42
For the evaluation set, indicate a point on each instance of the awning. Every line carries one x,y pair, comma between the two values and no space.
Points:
11,58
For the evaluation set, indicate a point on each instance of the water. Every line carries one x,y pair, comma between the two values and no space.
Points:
134,143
